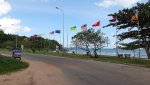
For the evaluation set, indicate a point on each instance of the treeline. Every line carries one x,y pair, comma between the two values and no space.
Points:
34,42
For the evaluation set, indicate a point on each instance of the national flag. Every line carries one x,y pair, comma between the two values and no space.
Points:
57,31
26,38
96,24
30,38
51,32
84,27
73,28
114,19
34,36
39,35
92,29
134,18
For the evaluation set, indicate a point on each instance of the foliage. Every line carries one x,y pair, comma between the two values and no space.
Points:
138,30
129,46
89,39
35,42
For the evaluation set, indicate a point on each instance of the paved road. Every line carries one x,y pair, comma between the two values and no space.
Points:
89,72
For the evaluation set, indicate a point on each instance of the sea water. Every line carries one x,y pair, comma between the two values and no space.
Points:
112,52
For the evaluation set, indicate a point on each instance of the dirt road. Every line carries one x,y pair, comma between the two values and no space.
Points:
52,70
38,73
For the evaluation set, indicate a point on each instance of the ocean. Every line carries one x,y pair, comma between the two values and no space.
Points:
112,52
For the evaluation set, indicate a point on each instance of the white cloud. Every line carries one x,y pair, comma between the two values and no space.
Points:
10,25
4,7
111,3
26,29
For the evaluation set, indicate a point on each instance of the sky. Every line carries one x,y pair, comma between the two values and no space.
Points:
30,17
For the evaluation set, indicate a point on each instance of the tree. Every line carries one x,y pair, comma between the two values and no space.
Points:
129,46
81,40
140,36
89,39
1,31
98,41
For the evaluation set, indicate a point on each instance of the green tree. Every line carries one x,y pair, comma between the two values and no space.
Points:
139,31
1,31
129,46
90,39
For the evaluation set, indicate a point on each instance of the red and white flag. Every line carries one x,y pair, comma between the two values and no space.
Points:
96,24
84,27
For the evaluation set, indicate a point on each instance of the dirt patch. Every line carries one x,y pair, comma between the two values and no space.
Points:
37,73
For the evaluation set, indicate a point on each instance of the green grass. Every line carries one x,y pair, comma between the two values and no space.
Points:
112,59
138,62
8,65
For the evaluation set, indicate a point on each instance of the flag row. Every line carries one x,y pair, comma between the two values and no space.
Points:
83,27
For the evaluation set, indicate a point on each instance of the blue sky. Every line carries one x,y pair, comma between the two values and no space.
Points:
31,17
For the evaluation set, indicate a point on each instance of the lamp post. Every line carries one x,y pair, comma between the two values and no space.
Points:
16,39
63,23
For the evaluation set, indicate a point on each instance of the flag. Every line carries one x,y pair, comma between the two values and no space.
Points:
84,27
134,18
26,38
51,32
73,28
57,31
92,29
34,36
114,19
40,35
96,24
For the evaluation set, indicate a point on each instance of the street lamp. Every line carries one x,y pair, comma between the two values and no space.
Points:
16,39
63,23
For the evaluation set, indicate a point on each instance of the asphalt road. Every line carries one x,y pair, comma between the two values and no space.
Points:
89,72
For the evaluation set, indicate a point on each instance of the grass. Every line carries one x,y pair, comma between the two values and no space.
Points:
8,65
138,62
112,59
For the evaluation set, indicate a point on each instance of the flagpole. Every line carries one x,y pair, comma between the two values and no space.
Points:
41,43
100,40
33,42
139,40
138,33
116,40
67,39
60,38
49,41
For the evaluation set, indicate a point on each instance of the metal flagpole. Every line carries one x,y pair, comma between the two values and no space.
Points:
100,40
67,38
138,31
49,41
116,41
60,38
139,39
16,41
